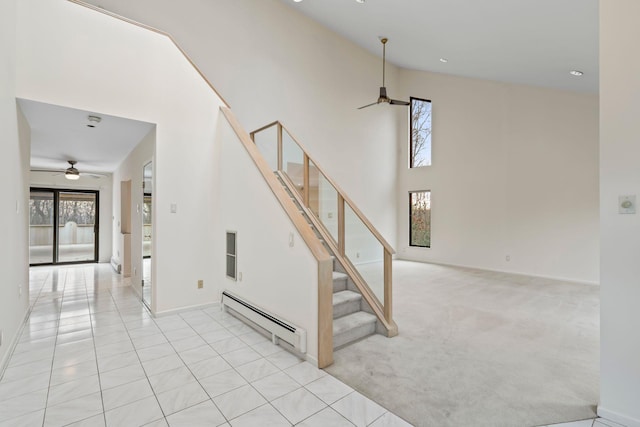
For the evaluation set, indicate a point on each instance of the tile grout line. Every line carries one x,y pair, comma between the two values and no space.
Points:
53,357
95,349
139,360
187,366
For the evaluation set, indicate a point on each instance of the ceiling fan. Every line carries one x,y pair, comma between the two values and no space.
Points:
383,98
71,172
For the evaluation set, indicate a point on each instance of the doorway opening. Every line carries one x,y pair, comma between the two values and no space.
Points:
63,226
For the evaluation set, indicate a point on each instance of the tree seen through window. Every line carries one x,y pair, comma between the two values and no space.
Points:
420,219
420,144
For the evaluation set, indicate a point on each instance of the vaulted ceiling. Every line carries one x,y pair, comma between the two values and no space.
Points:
536,42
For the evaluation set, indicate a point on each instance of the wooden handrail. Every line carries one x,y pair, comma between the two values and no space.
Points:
324,259
346,198
382,309
263,128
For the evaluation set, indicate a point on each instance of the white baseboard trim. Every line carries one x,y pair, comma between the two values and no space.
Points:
617,418
14,342
136,290
183,309
563,279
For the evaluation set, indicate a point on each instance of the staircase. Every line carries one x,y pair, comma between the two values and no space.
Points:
353,319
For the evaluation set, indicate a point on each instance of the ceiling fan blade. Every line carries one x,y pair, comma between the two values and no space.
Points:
52,171
369,105
94,175
396,102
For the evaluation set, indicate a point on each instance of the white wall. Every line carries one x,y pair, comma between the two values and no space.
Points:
276,277
514,172
620,242
71,56
15,152
103,185
131,169
272,63
198,165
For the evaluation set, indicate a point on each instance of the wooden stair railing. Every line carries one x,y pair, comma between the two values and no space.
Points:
382,307
324,259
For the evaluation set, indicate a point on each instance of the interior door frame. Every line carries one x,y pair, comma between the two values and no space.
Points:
56,219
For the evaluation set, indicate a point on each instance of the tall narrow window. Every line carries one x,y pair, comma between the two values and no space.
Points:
231,255
420,136
420,219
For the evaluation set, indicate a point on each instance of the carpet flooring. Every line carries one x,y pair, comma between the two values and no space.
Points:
480,348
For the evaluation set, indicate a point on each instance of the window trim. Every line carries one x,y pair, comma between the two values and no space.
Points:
411,99
411,245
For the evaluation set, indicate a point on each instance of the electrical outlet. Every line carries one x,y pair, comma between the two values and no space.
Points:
507,258
135,271
19,290
357,254
200,284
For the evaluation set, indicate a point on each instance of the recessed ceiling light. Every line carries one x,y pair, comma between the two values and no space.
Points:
576,73
444,60
297,1
360,1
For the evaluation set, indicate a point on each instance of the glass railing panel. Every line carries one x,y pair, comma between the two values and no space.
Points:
292,161
267,142
365,252
323,200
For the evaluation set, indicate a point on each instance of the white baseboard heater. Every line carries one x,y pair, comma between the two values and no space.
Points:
116,265
278,328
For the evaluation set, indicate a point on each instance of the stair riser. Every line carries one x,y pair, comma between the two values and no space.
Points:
339,285
345,308
354,334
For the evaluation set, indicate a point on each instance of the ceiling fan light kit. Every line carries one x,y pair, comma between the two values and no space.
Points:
72,173
382,97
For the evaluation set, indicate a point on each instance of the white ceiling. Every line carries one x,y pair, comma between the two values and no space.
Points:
59,134
533,42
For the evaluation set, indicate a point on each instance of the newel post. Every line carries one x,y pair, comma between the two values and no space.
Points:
388,288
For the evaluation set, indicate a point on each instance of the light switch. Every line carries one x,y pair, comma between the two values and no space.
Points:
174,207
627,204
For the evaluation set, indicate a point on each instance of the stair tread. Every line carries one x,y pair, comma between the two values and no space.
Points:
352,321
345,296
337,275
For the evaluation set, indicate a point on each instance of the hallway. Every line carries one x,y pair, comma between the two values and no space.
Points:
91,355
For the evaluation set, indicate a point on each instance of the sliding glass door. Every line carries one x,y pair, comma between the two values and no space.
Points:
63,226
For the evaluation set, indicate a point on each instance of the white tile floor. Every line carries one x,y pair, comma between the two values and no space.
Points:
91,355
